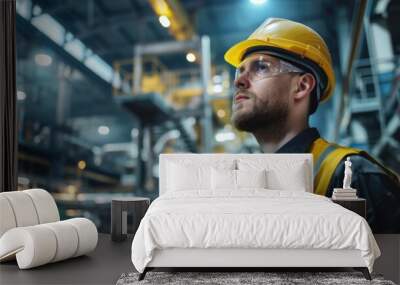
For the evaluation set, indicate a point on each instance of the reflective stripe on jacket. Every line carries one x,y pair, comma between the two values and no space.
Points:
373,181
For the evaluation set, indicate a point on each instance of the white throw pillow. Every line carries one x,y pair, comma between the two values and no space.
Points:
294,181
282,174
251,178
230,180
186,178
223,179
193,174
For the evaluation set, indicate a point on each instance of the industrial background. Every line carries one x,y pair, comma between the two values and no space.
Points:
104,87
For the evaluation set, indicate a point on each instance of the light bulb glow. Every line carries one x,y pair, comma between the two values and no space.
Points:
103,130
221,113
225,136
21,95
81,164
164,21
257,2
43,59
191,57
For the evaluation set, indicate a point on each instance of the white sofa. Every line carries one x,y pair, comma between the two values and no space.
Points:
31,231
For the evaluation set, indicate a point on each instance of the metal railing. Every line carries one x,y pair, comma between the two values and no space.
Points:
375,91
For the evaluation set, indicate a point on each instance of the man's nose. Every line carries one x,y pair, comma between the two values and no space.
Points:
242,81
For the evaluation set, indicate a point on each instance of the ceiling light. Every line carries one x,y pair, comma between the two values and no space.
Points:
258,2
221,113
103,130
36,11
134,132
23,181
218,88
164,21
225,136
190,57
217,78
43,59
21,95
81,164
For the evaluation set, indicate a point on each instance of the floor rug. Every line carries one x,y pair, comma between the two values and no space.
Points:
242,278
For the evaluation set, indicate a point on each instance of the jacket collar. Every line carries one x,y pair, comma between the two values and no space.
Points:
300,143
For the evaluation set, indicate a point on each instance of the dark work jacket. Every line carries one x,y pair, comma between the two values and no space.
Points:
381,191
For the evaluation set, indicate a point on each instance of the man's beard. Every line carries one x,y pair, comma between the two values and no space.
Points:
263,117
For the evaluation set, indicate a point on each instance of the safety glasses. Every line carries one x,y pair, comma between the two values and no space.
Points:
261,67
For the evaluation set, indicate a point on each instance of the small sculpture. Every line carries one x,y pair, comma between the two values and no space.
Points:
347,174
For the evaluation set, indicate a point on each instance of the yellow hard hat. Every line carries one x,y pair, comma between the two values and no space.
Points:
292,41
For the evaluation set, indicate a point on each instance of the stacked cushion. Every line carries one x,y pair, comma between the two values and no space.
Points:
41,244
31,231
26,208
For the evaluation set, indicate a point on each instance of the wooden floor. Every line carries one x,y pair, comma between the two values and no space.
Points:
389,262
102,266
111,259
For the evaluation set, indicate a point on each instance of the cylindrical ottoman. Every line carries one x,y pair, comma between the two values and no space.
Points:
120,209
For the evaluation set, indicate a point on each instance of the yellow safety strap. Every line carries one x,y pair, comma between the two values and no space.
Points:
326,158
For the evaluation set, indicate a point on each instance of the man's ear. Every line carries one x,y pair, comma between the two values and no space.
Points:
305,84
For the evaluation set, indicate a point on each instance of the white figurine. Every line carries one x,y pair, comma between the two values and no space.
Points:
347,174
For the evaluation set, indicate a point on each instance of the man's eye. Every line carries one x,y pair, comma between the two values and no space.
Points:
262,66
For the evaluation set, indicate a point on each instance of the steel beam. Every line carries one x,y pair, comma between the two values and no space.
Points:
167,47
205,76
28,29
353,54
374,71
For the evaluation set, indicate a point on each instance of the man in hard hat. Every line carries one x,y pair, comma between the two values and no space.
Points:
283,71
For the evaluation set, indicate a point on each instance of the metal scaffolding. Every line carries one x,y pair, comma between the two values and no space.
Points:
375,97
202,45
152,110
